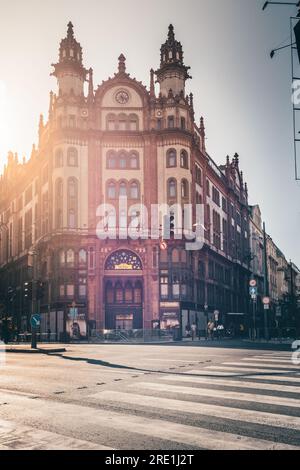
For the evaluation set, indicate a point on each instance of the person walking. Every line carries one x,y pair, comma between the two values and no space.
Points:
194,331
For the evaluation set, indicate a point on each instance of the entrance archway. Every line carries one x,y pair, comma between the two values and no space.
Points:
123,291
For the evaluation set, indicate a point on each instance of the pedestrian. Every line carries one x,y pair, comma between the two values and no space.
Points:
194,330
212,330
188,330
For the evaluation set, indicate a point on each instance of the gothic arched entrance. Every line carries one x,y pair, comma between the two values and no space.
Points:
123,291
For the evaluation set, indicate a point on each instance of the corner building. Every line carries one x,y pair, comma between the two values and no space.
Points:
121,139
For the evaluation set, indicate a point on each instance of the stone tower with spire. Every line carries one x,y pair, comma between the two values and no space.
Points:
172,73
69,70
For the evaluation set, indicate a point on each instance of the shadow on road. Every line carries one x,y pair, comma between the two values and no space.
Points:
98,362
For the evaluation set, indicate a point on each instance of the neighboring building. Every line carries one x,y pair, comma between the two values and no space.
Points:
121,139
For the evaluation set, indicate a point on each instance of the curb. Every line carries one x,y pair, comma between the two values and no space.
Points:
36,351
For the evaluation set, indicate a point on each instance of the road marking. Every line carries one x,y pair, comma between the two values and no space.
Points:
78,418
206,392
234,414
261,364
15,436
268,361
242,370
233,383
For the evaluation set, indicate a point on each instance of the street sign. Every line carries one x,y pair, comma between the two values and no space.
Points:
266,300
253,291
73,312
253,283
216,314
35,320
266,306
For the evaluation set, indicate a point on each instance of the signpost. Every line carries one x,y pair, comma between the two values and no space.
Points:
35,322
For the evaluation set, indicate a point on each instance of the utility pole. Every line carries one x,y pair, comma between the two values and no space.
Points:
266,282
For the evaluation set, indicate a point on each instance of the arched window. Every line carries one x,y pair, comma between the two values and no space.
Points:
123,220
59,159
138,293
171,158
111,190
119,293
82,258
122,118
72,156
171,122
70,258
111,122
198,198
134,161
128,292
134,190
111,160
123,189
72,202
59,197
172,188
182,123
184,159
123,161
175,256
62,258
184,189
133,122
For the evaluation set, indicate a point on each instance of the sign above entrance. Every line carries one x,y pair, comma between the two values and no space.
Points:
123,260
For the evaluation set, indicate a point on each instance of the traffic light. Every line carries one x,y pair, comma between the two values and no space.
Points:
40,290
11,294
28,290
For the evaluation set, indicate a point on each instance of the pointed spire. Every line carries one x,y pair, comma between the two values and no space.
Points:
202,127
70,30
122,64
171,34
152,86
91,86
228,161
236,159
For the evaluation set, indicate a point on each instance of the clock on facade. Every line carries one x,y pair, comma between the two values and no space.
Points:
122,97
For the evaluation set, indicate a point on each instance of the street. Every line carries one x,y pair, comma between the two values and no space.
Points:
160,397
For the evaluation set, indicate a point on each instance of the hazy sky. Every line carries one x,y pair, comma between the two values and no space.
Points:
244,96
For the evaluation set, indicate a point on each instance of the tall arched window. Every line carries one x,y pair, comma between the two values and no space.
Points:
59,197
184,189
62,258
172,188
111,190
111,160
123,189
82,258
134,190
122,118
171,158
72,156
123,161
72,202
59,158
184,159
128,292
134,161
70,258
111,122
133,122
175,256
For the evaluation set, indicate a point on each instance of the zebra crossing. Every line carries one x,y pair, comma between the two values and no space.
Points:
245,399
245,406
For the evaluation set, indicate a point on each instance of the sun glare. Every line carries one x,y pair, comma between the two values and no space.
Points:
5,128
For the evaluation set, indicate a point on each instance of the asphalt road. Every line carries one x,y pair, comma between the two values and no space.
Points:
161,397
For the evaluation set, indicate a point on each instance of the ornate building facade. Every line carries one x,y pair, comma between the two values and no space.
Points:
121,139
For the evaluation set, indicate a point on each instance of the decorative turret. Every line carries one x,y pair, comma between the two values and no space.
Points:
172,73
69,70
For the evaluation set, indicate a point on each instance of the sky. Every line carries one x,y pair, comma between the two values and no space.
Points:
244,96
